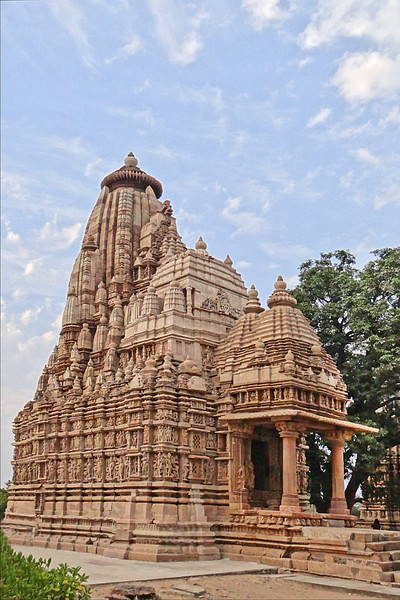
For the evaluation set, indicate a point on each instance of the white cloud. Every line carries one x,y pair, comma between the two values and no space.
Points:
91,166
319,118
30,314
292,281
60,238
390,195
363,76
376,21
246,221
13,238
130,49
14,186
68,145
243,264
177,31
145,116
263,12
392,118
207,95
30,267
72,18
366,156
285,251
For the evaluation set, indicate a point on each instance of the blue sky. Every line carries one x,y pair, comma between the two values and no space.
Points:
272,125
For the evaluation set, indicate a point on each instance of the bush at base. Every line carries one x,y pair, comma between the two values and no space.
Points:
24,578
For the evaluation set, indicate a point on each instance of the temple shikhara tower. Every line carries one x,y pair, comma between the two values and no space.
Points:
170,421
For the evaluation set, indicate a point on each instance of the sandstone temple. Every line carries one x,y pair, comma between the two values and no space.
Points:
170,421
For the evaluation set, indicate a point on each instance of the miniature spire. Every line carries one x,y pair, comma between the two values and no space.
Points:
101,335
151,303
280,296
228,261
174,298
85,338
71,311
253,305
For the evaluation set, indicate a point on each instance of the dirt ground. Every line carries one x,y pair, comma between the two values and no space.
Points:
253,586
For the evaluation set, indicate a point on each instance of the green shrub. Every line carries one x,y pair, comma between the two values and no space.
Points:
24,578
4,499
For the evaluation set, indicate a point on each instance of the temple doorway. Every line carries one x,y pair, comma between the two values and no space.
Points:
260,460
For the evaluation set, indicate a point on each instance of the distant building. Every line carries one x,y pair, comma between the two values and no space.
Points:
170,420
382,490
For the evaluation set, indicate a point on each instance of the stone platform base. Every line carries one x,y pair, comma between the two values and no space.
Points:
361,555
316,544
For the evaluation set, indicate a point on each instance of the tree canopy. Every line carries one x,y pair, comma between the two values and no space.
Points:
356,313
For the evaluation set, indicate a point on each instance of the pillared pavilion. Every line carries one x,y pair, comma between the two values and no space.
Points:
170,421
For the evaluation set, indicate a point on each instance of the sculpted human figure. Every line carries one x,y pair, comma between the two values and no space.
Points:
241,479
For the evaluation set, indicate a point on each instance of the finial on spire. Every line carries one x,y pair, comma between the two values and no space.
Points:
253,305
281,296
131,161
200,244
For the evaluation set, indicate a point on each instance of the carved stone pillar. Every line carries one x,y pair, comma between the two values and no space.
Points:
289,432
337,440
239,445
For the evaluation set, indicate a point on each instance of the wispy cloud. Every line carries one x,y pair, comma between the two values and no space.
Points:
389,195
364,155
60,237
285,251
207,95
392,118
130,49
71,17
264,12
177,30
333,19
15,186
245,221
243,264
319,118
69,145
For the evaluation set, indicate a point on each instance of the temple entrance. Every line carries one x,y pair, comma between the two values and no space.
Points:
260,460
265,456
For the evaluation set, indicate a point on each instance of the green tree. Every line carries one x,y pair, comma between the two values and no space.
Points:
4,499
356,314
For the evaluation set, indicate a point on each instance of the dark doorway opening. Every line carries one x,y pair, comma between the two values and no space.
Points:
259,457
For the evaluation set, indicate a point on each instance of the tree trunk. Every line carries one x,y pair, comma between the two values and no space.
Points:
355,481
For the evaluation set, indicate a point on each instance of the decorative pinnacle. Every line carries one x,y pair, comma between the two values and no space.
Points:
131,161
280,296
253,305
200,244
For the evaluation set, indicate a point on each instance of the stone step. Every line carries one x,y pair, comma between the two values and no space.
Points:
390,565
395,555
386,546
387,577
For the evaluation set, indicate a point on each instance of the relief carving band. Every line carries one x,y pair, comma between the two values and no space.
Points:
170,419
